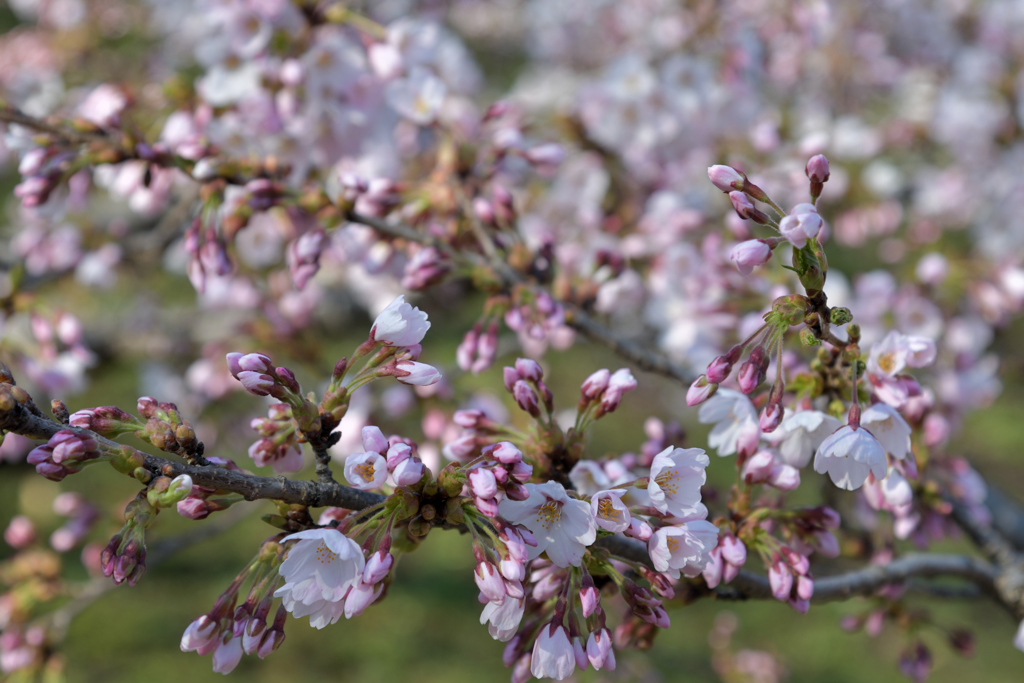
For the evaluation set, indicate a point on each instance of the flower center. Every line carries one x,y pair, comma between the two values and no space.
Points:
325,555
672,543
887,361
365,470
549,514
667,481
607,511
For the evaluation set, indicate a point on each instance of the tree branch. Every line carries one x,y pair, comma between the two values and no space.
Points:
750,586
20,420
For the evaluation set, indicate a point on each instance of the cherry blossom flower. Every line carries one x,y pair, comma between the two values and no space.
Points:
400,324
553,655
503,618
319,572
800,434
849,455
417,374
737,426
563,526
889,427
676,477
748,254
366,470
685,547
610,513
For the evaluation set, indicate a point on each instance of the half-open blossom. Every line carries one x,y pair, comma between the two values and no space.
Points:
887,360
848,455
400,324
799,228
746,255
417,374
588,477
600,651
889,427
366,470
503,618
563,526
553,655
319,572
676,477
684,548
800,434
610,513
737,428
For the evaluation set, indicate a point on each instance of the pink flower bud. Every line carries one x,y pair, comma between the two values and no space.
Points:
726,178
510,377
506,453
409,472
817,169
712,572
521,471
466,351
526,398
771,417
745,209
595,384
780,578
482,483
746,255
639,530
377,567
784,477
758,467
529,369
733,550
417,374
396,454
373,440
590,600
700,391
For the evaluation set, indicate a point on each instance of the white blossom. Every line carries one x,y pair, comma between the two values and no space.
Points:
563,526
848,456
736,423
676,477
319,572
400,324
